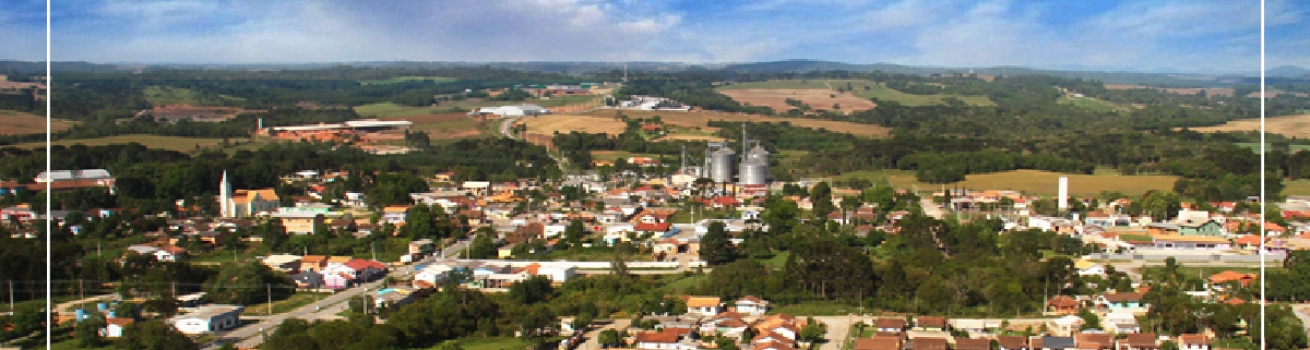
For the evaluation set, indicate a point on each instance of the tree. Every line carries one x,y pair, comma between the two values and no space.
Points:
715,247
88,331
813,332
575,231
531,291
1090,320
821,196
154,335
608,338
247,283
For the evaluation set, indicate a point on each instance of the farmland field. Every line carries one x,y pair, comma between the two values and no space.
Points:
820,99
548,125
444,126
874,91
398,80
700,119
177,143
1293,126
1183,91
17,123
1029,181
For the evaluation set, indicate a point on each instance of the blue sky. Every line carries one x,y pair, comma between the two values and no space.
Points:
1132,35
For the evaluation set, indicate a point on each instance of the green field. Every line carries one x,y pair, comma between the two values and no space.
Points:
388,109
398,80
1296,187
875,91
1027,181
1092,104
177,143
165,95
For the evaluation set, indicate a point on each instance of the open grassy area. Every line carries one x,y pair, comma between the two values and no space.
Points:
398,80
819,308
875,91
167,95
286,305
1092,104
1028,181
1291,126
177,143
497,343
18,123
700,119
1296,187
685,284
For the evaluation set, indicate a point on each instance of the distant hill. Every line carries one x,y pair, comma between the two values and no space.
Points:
1288,72
38,68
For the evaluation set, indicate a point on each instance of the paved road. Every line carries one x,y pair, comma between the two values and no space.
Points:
249,336
839,328
505,125
930,208
1133,268
591,335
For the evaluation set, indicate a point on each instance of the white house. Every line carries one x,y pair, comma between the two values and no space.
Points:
206,319
1120,323
170,254
704,306
751,305
553,230
114,327
1088,268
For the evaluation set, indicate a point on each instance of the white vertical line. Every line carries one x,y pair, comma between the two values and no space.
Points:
1263,174
48,308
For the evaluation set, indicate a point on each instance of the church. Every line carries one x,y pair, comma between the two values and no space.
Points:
245,203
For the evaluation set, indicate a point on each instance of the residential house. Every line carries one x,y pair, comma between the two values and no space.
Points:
208,319
312,263
299,223
668,339
1193,342
365,270
888,324
282,262
170,253
336,261
972,344
1064,326
308,280
704,306
1088,268
1160,228
1200,227
1063,305
1120,323
1122,302
752,305
931,324
335,281
114,326
1053,343
1010,342
1231,276
1094,341
879,343
925,343
1198,243
395,214
1139,341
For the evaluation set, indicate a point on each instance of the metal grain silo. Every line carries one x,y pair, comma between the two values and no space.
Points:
755,167
723,163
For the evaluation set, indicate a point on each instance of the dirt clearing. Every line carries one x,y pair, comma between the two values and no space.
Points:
820,99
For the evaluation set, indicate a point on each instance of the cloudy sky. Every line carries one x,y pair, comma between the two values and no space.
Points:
1134,35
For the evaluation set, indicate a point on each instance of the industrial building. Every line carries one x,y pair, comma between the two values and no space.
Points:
334,131
721,163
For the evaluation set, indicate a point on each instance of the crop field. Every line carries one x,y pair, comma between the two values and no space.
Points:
858,90
1029,181
18,123
398,80
700,119
820,99
1182,91
177,143
548,125
1293,126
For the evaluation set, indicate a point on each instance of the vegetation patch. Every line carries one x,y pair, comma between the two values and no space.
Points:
19,123
176,143
1291,126
405,79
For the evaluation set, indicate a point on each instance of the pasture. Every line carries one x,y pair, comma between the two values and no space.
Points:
858,89
700,119
176,143
19,123
1093,104
819,99
1028,181
550,124
1292,126
1214,91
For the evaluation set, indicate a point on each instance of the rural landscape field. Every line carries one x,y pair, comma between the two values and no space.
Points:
1297,126
19,123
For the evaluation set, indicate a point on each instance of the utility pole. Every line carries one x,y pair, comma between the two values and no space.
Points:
372,249
11,295
268,290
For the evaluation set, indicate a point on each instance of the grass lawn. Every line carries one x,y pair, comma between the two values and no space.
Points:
176,143
819,308
1296,187
1133,237
1204,272
286,305
398,80
685,284
778,261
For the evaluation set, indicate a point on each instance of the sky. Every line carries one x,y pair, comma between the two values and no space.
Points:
1213,36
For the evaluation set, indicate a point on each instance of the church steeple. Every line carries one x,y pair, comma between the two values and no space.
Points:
225,197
